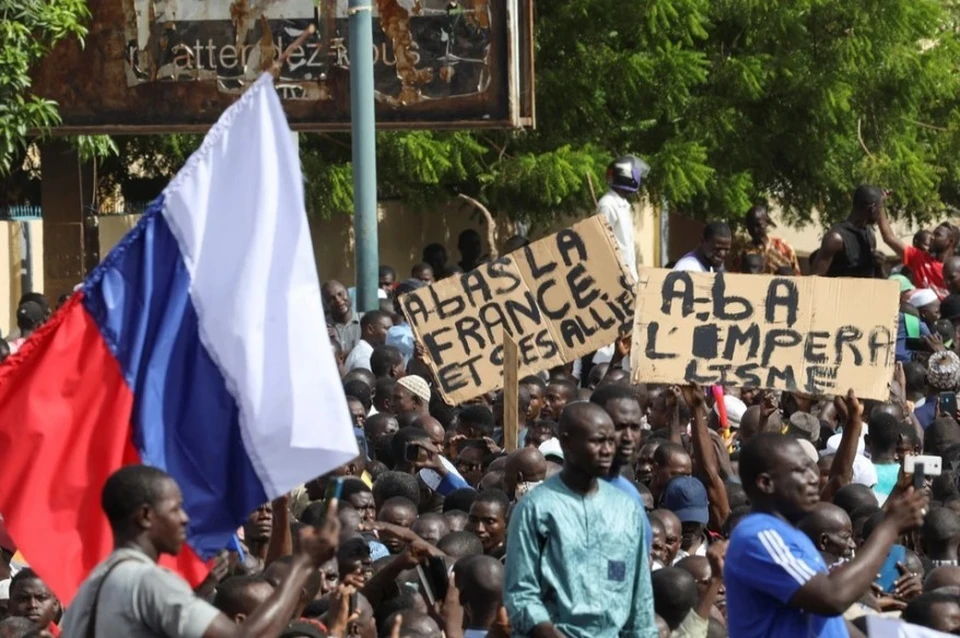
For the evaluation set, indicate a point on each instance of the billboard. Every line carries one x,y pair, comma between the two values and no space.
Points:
174,65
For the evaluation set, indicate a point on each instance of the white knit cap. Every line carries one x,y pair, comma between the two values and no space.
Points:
922,297
416,385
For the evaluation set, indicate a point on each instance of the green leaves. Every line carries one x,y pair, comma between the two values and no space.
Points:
28,30
727,100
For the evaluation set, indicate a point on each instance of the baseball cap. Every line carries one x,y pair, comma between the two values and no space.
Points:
686,497
30,315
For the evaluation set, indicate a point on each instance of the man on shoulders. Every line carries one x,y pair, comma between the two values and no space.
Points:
847,248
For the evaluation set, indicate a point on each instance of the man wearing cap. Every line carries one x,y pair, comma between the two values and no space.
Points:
943,375
30,315
411,395
400,336
686,497
926,304
776,253
803,426
927,267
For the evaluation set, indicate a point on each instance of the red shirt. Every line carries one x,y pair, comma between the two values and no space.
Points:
927,270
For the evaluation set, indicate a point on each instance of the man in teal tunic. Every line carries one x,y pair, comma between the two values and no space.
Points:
578,565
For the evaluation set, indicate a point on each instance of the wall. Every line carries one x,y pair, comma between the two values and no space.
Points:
11,288
685,235
404,231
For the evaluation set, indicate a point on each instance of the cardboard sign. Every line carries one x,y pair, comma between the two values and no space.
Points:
806,334
558,299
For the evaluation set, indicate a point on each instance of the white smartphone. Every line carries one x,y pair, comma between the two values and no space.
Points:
932,465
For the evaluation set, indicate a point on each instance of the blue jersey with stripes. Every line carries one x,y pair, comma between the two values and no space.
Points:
767,561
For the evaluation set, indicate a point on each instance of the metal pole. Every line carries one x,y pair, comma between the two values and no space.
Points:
363,125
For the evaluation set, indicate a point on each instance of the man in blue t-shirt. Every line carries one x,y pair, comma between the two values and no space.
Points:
777,584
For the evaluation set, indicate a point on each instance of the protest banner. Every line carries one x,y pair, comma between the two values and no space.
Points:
810,334
558,299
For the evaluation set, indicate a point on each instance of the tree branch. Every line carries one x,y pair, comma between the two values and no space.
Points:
490,225
860,138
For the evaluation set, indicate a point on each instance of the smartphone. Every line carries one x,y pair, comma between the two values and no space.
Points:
426,586
948,403
439,576
412,452
888,571
922,464
334,489
434,579
354,603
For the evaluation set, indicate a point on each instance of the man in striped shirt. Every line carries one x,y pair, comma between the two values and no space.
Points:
777,583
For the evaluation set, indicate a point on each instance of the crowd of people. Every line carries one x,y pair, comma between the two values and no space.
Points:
627,510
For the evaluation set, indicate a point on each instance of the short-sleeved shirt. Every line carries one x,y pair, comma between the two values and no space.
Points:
927,270
348,334
767,562
139,599
691,263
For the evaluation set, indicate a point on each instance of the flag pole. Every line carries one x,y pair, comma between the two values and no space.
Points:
363,128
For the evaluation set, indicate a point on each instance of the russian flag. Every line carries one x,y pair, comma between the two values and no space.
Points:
198,346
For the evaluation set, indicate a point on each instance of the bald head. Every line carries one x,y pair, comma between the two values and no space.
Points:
433,429
581,418
526,465
830,529
946,576
415,623
587,438
951,274
750,423
480,581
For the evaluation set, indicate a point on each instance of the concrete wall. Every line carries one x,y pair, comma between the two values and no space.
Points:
404,231
12,266
685,235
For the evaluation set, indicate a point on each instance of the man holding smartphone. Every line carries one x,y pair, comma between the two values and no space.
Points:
777,582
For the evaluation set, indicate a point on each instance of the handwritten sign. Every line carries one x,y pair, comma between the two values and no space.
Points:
807,334
558,299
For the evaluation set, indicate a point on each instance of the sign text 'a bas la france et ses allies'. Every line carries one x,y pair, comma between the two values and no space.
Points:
558,298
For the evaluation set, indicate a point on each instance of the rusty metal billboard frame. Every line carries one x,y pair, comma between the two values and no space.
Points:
91,86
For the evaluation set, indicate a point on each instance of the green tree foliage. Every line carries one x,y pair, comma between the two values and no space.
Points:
28,31
728,100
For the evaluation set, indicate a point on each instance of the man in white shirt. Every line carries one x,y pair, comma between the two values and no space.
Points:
711,253
373,332
624,176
